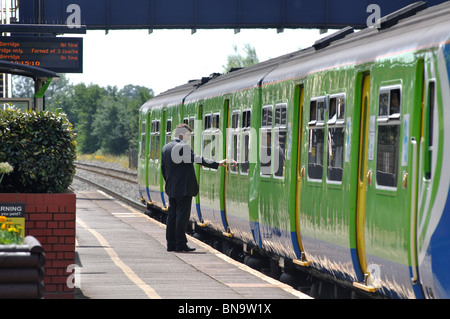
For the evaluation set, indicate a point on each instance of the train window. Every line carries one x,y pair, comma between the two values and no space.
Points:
191,124
388,136
152,127
337,109
211,137
206,138
155,140
234,147
335,142
208,120
316,138
235,120
216,137
190,121
214,146
315,153
266,120
317,111
280,114
245,152
335,153
246,119
168,137
266,141
216,121
389,103
143,139
280,139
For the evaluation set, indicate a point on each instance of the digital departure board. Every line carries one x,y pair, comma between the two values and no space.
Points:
61,55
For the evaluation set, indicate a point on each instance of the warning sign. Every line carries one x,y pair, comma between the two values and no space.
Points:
14,213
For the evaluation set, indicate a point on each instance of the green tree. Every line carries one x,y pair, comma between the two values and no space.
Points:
86,100
132,97
237,60
22,86
59,95
104,118
110,127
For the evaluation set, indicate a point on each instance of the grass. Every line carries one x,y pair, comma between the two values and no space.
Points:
107,158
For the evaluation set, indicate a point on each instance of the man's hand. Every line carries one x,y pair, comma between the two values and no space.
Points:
223,163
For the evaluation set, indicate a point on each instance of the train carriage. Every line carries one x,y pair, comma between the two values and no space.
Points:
228,200
191,115
157,118
359,168
340,150
278,130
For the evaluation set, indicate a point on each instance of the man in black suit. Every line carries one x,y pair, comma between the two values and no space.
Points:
181,185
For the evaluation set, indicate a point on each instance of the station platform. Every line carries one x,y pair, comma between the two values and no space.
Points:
121,254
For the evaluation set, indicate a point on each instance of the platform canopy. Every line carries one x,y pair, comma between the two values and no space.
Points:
207,14
42,79
26,70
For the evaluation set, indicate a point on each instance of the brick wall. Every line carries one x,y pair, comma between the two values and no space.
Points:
50,218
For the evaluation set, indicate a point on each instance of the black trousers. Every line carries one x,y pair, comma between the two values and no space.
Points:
177,220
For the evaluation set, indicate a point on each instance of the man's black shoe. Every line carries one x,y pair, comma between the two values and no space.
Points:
171,249
185,248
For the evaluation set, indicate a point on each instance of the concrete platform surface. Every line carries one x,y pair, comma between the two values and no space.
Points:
121,254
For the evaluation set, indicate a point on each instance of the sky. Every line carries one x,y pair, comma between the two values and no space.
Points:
168,58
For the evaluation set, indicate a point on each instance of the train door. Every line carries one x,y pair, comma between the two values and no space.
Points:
154,165
197,149
224,172
429,184
211,179
143,155
190,119
387,180
362,180
300,176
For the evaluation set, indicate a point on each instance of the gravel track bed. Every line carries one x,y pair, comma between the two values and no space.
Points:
124,188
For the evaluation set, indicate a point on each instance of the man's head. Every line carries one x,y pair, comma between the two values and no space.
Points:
183,132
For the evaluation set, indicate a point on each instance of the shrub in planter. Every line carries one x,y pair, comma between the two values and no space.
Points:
42,149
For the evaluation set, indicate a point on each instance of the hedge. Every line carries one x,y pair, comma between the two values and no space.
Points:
41,147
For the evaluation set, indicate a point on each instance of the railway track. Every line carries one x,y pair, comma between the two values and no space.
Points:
108,172
98,177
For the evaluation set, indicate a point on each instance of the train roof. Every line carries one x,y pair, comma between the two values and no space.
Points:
242,79
174,96
425,28
412,27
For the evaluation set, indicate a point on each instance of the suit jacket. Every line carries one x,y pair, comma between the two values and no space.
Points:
177,167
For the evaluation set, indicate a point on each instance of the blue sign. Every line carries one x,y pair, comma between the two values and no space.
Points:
61,55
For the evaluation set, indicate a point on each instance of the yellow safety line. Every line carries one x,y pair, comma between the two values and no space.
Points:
149,291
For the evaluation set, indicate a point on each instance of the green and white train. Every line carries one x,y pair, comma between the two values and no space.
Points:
340,149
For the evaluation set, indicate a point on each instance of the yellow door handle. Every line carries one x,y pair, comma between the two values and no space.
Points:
369,177
405,180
